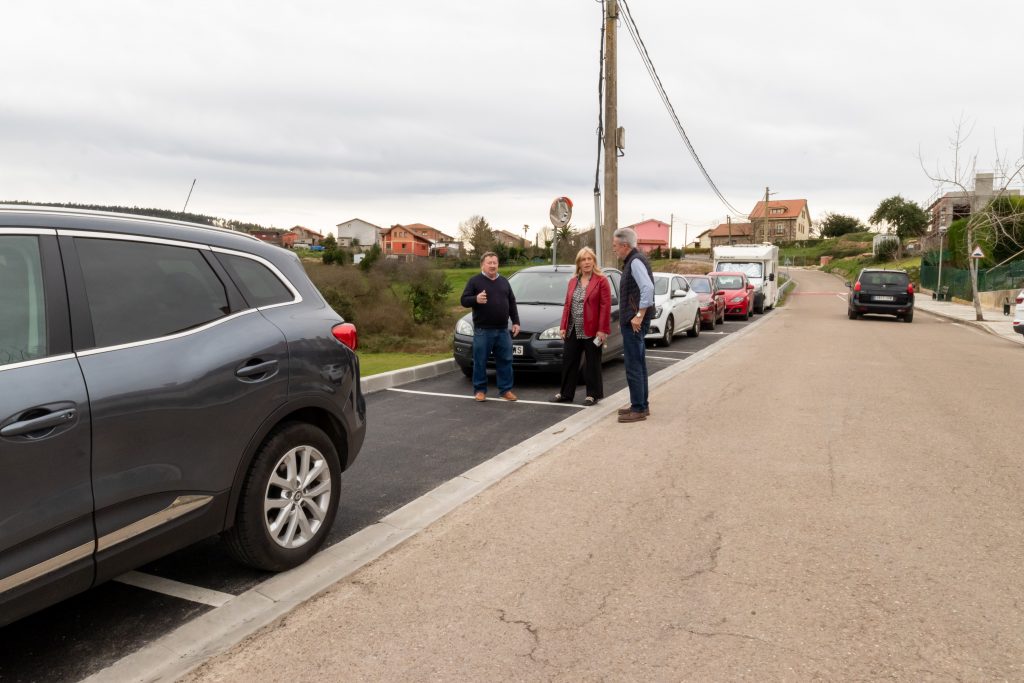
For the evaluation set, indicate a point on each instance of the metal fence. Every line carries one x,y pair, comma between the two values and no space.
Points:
1007,276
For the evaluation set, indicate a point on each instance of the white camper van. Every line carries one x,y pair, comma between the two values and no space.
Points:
761,264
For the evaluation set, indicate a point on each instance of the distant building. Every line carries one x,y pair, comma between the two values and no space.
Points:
357,232
731,233
960,204
399,241
651,234
703,240
787,220
509,239
301,237
270,236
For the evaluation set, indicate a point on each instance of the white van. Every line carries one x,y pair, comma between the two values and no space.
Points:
761,264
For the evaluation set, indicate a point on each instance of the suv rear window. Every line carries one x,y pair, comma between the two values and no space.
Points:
884,279
259,285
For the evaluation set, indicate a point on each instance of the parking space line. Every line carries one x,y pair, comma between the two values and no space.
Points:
674,360
434,393
175,589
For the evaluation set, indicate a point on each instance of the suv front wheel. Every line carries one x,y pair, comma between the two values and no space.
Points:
288,501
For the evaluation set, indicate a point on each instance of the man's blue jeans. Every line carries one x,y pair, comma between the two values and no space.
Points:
484,340
635,360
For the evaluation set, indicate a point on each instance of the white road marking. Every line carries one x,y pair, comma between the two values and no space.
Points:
536,403
176,589
674,360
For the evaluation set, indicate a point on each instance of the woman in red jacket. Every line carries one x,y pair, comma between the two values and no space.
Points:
586,322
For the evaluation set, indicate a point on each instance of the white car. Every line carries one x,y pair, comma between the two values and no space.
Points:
676,307
1018,313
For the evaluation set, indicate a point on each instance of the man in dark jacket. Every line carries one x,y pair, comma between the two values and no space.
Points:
493,303
636,308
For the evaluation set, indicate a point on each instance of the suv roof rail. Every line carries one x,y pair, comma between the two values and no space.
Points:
42,208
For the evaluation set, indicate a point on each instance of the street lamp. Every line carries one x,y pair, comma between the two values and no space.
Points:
938,287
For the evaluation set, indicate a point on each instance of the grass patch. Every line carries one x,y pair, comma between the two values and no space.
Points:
376,363
458,277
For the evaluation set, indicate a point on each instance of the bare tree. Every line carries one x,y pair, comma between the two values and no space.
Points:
993,217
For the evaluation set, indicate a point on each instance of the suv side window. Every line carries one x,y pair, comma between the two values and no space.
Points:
22,305
143,290
258,284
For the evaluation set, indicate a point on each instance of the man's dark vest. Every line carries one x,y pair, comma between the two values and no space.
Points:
629,300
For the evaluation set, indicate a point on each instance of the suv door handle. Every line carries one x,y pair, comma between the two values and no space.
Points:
48,421
253,371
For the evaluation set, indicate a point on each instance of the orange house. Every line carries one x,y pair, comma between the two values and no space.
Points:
399,240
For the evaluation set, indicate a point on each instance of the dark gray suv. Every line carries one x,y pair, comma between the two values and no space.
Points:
889,292
161,382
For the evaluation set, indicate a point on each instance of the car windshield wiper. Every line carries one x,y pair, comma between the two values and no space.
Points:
538,303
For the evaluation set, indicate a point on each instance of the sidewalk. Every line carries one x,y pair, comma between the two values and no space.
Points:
995,322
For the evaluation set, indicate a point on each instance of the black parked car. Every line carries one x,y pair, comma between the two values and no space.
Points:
540,295
881,291
161,382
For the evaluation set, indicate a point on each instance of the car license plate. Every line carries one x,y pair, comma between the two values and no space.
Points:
517,349
884,298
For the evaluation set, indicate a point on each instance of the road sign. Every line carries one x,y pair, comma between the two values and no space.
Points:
561,212
977,253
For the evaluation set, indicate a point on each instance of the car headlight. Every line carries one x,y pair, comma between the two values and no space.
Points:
657,312
465,327
550,333
737,299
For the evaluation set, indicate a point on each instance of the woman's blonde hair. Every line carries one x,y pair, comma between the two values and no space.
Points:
587,251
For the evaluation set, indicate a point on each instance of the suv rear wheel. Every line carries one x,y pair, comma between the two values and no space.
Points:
289,498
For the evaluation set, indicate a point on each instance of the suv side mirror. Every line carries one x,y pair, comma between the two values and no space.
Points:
750,286
848,284
771,277
720,292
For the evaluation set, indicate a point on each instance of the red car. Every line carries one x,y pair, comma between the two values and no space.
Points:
739,293
712,300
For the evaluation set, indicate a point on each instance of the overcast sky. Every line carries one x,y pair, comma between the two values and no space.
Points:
403,111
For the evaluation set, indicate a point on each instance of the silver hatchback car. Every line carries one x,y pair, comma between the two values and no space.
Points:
161,382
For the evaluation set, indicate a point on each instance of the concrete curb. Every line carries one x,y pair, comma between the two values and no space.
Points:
172,656
386,380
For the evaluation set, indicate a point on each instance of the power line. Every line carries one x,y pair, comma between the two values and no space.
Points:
634,33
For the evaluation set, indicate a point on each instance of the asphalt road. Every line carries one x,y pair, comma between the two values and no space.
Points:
822,500
414,442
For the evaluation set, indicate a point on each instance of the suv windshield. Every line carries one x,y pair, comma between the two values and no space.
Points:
752,269
539,288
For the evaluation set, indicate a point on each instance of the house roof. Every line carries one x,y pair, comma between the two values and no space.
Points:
372,225
415,235
655,221
421,227
724,230
299,228
791,208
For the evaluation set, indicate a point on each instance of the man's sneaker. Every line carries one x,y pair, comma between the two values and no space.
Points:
509,396
632,416
627,409
480,396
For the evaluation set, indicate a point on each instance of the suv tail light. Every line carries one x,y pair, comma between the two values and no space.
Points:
1020,299
910,289
856,286
346,334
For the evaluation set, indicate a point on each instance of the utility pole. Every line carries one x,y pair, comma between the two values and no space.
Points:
671,223
611,134
728,220
764,223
